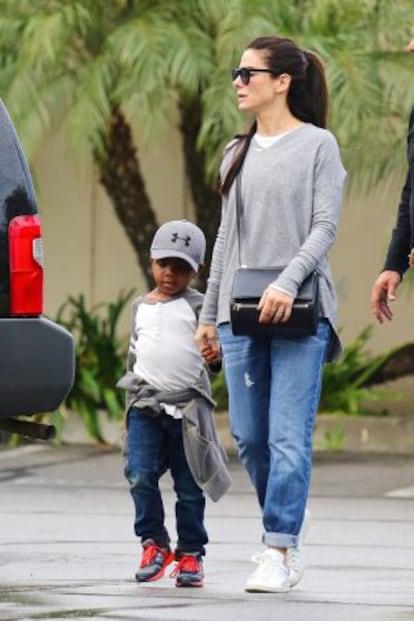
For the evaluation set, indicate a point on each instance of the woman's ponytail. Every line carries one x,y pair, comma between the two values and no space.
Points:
308,93
316,89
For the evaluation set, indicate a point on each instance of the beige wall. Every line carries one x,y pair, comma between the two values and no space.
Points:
357,258
86,250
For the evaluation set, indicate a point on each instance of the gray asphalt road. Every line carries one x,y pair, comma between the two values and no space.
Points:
67,549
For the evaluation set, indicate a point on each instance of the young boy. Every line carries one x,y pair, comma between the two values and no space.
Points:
169,410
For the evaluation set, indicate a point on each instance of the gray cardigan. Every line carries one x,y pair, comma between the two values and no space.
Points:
292,197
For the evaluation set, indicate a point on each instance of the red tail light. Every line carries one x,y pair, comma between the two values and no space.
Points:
26,266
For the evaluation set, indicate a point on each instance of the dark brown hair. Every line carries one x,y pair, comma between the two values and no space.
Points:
307,97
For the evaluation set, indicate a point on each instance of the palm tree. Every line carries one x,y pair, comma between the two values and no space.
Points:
66,68
369,74
367,68
109,68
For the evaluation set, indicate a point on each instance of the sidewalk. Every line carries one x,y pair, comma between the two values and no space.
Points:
67,549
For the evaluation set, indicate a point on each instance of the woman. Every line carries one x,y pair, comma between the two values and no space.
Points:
291,188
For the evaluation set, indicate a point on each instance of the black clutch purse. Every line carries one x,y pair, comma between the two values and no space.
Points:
248,287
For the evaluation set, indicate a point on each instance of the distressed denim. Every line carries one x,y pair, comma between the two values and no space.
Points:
274,387
152,446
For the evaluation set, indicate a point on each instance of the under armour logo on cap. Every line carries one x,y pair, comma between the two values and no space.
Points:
181,239
176,237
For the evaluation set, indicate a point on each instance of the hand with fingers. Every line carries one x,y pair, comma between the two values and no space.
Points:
207,341
275,306
383,292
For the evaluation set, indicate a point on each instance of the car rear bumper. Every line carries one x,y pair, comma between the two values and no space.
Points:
37,365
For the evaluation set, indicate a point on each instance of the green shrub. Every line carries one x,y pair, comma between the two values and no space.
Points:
100,360
219,390
345,383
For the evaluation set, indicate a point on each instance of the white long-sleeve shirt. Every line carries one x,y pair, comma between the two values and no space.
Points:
166,354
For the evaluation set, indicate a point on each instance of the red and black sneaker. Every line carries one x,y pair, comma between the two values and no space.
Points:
189,570
154,561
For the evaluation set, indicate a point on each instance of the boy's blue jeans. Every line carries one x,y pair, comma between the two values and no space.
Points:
154,445
274,388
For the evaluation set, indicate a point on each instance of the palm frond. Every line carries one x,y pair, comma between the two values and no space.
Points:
92,106
81,59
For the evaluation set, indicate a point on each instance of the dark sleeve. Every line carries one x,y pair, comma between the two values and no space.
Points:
399,247
411,124
400,244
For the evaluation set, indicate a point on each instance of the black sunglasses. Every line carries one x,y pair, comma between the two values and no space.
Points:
245,73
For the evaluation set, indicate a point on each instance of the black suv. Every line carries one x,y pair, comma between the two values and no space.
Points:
36,355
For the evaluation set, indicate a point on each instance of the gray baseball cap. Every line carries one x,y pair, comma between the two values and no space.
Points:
181,239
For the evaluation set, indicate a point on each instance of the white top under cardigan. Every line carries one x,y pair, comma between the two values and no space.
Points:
162,346
292,196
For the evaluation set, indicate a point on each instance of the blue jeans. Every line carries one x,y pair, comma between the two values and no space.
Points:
154,445
274,388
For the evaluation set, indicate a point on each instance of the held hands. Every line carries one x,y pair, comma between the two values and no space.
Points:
384,291
206,339
275,306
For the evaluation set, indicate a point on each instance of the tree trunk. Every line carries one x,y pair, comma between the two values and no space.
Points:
121,176
399,364
206,198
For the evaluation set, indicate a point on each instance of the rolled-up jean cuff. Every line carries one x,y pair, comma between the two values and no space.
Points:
280,540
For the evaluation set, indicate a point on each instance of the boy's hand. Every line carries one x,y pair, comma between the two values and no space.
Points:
206,339
209,354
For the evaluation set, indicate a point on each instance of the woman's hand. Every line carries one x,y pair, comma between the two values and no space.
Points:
206,339
275,306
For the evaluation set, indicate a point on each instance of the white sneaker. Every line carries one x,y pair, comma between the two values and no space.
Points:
295,557
271,575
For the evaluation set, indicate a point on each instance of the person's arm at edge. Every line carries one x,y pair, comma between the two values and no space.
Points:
397,259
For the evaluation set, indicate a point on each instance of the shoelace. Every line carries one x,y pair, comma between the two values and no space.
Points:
266,561
149,554
186,563
263,557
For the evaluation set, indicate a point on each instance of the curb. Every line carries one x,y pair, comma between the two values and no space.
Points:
333,433
354,434
365,434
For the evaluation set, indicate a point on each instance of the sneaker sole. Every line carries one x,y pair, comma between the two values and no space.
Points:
259,588
189,584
